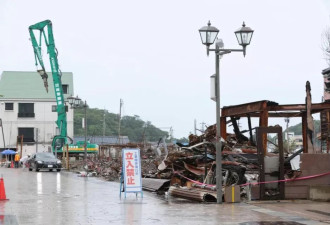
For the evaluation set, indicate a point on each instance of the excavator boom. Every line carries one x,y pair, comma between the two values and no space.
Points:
45,31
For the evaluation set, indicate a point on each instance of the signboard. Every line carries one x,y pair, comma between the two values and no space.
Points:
131,171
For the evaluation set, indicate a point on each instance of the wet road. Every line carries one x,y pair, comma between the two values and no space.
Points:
64,198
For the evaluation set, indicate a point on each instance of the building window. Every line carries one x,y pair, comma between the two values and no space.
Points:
65,88
54,108
25,109
9,106
28,134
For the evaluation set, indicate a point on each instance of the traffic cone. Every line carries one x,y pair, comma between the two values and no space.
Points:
2,190
12,164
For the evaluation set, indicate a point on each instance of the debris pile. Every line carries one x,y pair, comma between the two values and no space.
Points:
105,168
190,171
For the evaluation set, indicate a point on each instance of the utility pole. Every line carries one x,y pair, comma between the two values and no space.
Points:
85,125
121,104
171,134
103,125
3,135
203,127
144,136
195,127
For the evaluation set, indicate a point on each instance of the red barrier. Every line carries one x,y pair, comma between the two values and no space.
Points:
265,182
286,180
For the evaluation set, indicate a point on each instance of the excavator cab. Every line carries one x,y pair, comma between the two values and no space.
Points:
58,143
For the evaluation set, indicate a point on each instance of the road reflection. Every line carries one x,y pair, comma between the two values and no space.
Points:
58,183
2,211
132,209
39,183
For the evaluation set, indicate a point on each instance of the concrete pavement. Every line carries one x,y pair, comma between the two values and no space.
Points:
64,198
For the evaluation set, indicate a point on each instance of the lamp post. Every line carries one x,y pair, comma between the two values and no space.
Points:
76,102
208,36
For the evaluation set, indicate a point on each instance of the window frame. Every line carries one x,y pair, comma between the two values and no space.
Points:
65,88
24,112
6,104
26,138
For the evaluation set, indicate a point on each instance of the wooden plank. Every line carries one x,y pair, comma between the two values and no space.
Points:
280,147
244,108
263,122
250,129
272,114
304,131
297,107
310,122
223,127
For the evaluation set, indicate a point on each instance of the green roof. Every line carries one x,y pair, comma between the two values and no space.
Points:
29,85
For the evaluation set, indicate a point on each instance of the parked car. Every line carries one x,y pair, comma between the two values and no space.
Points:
44,161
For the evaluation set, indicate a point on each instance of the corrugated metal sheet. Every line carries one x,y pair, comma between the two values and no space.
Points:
195,194
152,184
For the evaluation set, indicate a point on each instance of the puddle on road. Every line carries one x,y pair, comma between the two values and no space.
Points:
319,212
8,220
270,223
58,183
39,184
132,202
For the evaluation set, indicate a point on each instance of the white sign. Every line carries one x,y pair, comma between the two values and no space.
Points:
132,170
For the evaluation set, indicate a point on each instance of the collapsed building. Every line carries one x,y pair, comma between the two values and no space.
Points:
189,171
247,162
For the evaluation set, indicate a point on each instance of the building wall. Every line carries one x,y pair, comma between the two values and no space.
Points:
298,140
43,123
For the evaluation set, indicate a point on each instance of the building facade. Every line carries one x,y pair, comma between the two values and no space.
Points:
298,141
28,112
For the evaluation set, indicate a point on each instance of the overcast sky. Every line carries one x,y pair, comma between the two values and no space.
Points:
149,53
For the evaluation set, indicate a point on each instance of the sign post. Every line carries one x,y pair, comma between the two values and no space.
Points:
130,181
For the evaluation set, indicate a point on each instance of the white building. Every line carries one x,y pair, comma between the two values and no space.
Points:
289,136
27,109
298,140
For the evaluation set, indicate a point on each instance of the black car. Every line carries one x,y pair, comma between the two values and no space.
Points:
44,160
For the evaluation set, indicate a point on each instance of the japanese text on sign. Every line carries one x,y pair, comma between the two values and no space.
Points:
132,170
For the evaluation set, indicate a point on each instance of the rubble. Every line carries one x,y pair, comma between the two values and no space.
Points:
190,171
108,169
160,186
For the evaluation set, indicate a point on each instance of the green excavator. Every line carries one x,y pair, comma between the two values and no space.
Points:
61,139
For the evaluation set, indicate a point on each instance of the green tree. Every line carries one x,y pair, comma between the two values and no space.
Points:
297,129
136,129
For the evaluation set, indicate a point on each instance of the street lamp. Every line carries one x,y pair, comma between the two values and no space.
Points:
208,36
76,102
244,36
